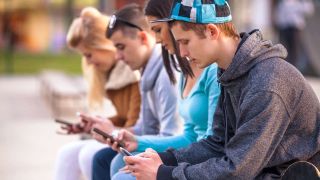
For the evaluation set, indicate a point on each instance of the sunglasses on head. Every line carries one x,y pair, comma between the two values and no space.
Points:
114,19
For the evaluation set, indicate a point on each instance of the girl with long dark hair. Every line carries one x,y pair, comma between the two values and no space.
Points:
198,97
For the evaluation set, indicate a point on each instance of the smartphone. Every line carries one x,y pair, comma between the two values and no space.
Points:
106,135
125,152
63,122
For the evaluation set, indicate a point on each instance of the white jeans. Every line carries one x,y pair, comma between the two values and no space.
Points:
75,158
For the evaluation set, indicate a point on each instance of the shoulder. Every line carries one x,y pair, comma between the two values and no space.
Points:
163,78
134,86
164,86
209,76
276,75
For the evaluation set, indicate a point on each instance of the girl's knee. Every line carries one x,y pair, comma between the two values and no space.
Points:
123,176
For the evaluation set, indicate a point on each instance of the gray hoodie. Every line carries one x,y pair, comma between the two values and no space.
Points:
268,117
158,114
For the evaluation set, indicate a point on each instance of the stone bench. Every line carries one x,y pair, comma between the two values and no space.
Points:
64,94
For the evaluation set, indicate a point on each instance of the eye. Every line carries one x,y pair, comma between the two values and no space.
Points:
87,55
158,30
184,42
120,47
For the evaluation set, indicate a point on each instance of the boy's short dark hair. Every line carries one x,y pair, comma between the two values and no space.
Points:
228,28
130,19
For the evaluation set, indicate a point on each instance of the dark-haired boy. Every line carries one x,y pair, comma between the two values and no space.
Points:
129,31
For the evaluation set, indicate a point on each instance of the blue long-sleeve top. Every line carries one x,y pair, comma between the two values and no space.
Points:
197,111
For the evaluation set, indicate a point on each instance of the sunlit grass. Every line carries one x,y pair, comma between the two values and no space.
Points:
26,63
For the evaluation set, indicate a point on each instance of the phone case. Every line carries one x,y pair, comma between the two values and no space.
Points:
125,152
105,135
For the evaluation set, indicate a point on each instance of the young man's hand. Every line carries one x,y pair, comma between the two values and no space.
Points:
128,138
144,165
105,126
123,135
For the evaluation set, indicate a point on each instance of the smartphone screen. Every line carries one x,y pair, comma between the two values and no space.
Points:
125,152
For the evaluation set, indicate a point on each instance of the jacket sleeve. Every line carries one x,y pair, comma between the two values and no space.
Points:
134,105
260,128
137,128
162,143
196,152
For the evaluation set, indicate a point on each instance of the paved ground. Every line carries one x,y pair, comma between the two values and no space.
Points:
28,143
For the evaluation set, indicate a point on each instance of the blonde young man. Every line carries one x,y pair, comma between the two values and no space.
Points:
267,117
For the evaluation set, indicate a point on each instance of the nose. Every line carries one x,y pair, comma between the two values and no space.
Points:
158,39
89,60
183,51
118,56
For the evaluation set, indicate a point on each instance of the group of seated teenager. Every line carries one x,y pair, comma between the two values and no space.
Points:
194,99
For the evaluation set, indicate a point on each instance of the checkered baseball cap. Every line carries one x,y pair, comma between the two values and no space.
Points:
200,11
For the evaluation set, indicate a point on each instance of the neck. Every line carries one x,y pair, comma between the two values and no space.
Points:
151,44
148,55
196,71
229,47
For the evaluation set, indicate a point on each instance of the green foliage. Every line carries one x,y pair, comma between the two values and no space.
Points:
26,63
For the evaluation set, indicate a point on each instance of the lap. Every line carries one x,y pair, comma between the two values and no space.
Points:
123,176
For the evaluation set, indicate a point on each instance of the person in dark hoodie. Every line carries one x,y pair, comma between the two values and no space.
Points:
267,118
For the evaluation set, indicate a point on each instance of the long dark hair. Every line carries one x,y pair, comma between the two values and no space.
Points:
161,9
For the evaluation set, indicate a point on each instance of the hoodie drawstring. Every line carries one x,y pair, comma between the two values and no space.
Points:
224,109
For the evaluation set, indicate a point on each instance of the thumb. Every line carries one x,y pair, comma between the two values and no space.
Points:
120,135
130,159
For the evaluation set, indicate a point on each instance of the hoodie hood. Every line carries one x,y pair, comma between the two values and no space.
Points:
152,69
252,50
120,76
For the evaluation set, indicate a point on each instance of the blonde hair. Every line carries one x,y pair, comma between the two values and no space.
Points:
89,31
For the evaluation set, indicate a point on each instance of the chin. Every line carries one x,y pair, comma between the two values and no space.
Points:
170,52
202,66
102,69
132,67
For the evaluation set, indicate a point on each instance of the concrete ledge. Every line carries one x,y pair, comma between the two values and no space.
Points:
63,93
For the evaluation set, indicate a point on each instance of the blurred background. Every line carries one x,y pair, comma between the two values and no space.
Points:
40,78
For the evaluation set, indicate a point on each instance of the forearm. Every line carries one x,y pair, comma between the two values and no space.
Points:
160,144
165,172
168,158
247,152
169,163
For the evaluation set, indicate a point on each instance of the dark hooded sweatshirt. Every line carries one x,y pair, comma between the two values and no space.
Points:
267,118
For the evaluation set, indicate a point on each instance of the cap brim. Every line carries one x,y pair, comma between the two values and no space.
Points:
161,20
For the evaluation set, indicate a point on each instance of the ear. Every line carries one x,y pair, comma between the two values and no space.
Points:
143,37
212,31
